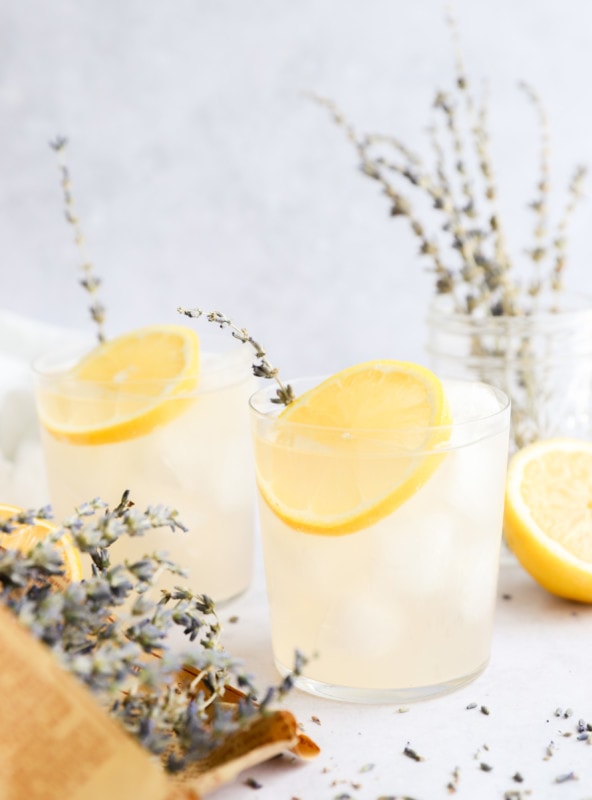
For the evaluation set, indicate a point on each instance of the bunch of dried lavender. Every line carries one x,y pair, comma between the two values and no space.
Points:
90,282
106,628
476,269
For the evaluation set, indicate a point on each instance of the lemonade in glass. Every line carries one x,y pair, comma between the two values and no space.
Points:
381,501
148,412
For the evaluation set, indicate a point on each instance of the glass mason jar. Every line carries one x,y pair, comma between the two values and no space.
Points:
542,361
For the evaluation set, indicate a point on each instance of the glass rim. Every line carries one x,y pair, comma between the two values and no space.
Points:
570,304
271,413
217,369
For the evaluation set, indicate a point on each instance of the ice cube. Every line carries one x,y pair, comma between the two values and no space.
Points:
359,626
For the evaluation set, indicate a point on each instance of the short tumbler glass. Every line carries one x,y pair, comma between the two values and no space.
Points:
198,461
402,609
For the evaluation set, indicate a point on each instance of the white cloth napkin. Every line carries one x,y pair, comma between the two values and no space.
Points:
22,471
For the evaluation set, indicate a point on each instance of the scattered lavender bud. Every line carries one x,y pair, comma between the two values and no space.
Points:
567,776
410,753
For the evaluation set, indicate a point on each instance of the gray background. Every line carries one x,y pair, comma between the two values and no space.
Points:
203,175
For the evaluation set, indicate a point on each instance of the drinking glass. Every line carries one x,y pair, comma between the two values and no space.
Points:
401,609
198,461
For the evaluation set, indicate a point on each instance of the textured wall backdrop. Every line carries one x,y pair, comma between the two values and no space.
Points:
204,175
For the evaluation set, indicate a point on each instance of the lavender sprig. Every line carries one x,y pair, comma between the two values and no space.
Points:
540,205
263,367
90,282
575,192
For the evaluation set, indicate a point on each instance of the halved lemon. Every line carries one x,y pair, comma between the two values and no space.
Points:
124,388
351,450
548,515
25,537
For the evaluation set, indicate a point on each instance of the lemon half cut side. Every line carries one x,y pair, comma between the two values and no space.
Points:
548,515
349,451
124,388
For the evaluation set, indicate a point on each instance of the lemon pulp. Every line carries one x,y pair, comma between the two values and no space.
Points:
548,515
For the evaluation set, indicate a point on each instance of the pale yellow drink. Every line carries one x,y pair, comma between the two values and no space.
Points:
197,461
402,608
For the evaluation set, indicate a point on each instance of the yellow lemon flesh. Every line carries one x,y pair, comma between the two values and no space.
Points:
548,515
123,388
25,537
348,452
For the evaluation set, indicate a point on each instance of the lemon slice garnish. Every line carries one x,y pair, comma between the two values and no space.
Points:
348,452
123,388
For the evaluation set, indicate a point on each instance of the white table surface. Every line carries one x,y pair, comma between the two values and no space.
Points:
541,661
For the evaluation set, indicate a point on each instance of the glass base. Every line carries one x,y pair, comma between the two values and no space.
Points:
357,694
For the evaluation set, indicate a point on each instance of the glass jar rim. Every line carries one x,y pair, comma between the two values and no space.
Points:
575,304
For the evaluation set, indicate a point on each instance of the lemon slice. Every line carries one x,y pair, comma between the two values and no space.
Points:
124,388
26,537
548,515
348,452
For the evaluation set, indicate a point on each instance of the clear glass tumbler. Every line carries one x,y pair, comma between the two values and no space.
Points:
198,461
401,609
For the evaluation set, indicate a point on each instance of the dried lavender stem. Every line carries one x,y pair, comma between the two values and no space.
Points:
464,93
574,195
443,102
262,369
477,124
495,283
491,193
396,144
539,250
441,175
466,241
89,281
400,205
